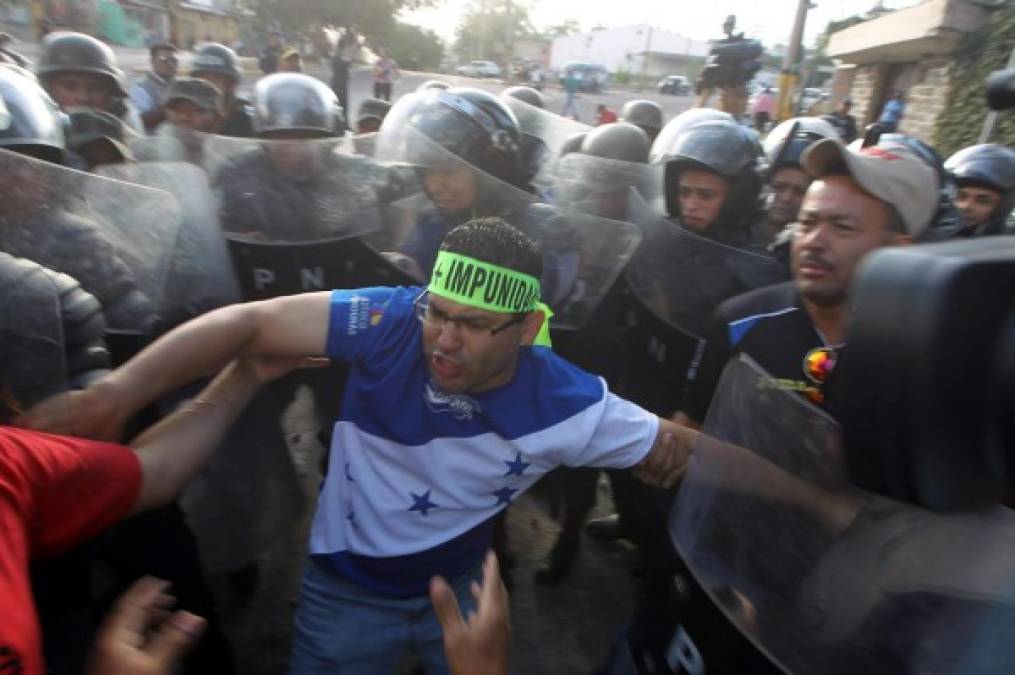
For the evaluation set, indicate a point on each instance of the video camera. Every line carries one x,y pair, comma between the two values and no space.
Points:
928,382
1001,89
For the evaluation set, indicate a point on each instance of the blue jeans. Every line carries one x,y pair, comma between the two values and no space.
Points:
569,105
342,628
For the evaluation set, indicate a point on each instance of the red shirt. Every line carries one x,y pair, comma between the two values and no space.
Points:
606,117
55,492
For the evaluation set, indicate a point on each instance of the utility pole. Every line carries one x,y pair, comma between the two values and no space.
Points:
789,78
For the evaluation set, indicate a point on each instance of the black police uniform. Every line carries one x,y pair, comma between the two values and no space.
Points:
240,121
771,326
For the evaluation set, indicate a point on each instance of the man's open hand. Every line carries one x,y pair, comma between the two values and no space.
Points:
141,637
478,646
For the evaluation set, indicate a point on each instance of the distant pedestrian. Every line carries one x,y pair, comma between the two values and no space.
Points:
571,85
341,62
385,73
892,113
604,115
762,109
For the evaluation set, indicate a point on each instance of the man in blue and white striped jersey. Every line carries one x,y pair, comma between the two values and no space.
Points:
454,406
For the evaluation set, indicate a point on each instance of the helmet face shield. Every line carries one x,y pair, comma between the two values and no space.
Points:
296,102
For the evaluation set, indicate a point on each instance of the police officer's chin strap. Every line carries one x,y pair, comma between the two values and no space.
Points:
483,285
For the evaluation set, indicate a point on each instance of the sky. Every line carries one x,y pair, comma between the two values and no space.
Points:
769,20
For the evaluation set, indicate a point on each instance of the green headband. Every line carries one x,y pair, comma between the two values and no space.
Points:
487,286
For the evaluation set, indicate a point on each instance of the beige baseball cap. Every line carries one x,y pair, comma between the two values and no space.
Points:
893,175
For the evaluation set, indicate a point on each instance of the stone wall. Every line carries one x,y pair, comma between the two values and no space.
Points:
864,92
926,99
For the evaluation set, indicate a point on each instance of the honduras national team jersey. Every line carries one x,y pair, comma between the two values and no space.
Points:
417,475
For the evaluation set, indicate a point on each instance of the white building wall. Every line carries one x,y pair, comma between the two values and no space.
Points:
622,48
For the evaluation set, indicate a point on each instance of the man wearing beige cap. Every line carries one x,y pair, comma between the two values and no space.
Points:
857,203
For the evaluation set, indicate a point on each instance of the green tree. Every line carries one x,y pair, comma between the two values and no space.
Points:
374,19
414,48
487,27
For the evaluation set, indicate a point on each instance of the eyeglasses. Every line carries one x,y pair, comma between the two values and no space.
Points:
434,318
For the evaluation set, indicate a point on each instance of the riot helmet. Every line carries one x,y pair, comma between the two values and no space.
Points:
663,143
620,141
68,52
990,166
724,148
787,141
34,125
217,58
526,94
296,102
648,115
469,123
432,84
573,143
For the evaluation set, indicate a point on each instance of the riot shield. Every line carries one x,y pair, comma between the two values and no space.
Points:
115,238
201,275
33,363
293,212
543,136
582,254
822,577
602,186
676,279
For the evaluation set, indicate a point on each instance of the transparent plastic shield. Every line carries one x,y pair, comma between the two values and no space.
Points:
115,238
33,362
603,186
169,143
583,253
824,578
681,277
201,274
294,192
552,129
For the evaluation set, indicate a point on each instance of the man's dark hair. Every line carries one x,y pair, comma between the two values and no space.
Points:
495,241
162,47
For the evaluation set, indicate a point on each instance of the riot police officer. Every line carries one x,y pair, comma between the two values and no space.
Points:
219,65
39,212
712,180
77,70
786,179
467,149
645,114
985,178
282,184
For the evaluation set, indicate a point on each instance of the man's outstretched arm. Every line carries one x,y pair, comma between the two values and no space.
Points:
667,461
294,325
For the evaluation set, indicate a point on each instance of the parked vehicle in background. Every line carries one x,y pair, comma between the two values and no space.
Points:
677,85
592,77
479,69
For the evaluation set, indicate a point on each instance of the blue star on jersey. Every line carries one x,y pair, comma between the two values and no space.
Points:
504,495
516,467
422,503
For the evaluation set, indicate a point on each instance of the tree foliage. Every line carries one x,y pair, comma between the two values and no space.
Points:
414,48
980,53
488,26
569,27
374,19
